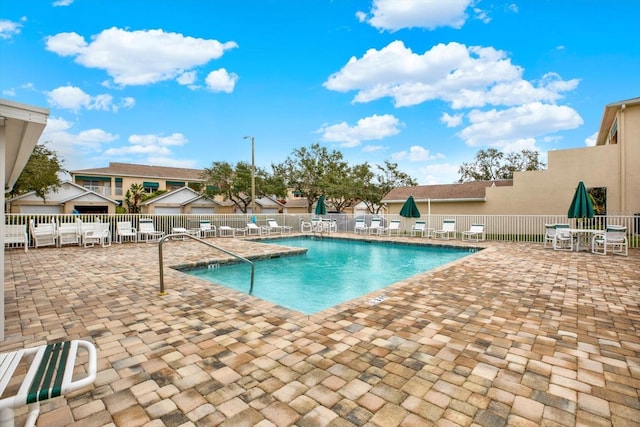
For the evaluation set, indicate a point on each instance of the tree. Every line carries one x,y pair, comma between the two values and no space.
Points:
234,183
133,197
373,185
40,174
491,164
313,171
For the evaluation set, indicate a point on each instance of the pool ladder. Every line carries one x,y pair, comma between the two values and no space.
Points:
211,245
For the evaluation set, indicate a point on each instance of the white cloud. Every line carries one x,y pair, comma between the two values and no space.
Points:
221,81
58,3
416,153
187,78
592,140
499,128
373,148
369,128
451,121
8,29
73,98
440,173
139,57
393,15
463,76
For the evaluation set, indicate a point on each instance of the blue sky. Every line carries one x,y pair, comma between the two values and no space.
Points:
422,83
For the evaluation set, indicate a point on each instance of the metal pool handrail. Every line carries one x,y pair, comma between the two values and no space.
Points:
162,240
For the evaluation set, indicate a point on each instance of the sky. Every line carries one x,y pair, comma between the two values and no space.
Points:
425,84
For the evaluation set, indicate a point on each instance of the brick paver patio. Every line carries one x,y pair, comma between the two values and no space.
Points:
512,335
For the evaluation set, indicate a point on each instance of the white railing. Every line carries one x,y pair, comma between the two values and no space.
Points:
515,228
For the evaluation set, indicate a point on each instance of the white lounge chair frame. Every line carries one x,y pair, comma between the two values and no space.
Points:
147,231
376,226
394,228
43,234
419,228
16,234
562,239
273,226
360,226
475,233
124,231
253,229
206,229
38,385
614,237
448,230
99,234
69,233
549,235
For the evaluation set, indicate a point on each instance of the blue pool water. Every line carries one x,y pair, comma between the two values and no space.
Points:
331,272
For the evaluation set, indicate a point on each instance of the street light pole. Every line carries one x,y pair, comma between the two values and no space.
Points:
253,176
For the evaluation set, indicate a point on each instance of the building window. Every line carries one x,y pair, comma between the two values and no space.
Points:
118,186
174,185
100,187
613,133
150,187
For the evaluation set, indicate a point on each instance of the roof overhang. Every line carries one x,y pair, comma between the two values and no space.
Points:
21,126
609,115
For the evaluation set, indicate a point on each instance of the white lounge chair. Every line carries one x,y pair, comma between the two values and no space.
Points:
254,230
38,383
475,233
448,230
206,229
69,233
549,235
419,228
124,231
376,226
562,240
99,234
360,226
15,235
394,228
43,234
147,231
273,226
614,237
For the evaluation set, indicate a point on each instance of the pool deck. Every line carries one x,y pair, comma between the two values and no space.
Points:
511,335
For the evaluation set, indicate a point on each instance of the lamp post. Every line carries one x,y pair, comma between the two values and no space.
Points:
253,176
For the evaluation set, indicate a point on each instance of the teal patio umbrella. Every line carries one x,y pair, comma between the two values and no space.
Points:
581,206
321,208
409,209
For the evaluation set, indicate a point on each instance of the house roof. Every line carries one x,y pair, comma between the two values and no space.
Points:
466,191
609,115
129,169
68,191
297,203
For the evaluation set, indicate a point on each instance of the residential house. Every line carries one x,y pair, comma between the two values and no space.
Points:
69,198
184,201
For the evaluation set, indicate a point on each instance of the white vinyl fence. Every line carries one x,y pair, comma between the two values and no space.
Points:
516,228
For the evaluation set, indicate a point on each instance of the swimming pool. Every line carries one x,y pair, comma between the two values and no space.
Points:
331,272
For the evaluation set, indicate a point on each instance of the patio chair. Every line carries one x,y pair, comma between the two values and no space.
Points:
43,234
99,234
394,228
253,229
562,240
549,235
69,233
206,229
448,230
273,226
419,228
306,226
475,233
329,225
124,231
15,235
376,226
360,226
39,383
148,231
614,237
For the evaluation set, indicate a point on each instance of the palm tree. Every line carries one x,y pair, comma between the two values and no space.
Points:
134,196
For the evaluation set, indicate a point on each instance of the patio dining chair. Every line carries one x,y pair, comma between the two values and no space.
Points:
562,240
614,237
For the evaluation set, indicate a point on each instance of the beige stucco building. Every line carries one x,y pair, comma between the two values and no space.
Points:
612,164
